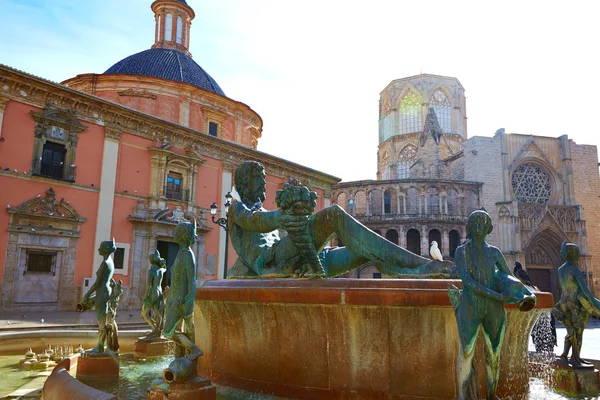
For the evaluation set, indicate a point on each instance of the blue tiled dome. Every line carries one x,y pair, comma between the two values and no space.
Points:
166,64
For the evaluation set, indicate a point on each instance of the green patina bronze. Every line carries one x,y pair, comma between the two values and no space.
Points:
104,296
153,309
487,285
179,308
263,253
576,304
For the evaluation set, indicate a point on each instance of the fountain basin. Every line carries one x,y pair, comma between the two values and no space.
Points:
345,338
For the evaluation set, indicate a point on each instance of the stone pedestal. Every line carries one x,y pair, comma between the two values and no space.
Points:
145,348
575,381
194,389
98,366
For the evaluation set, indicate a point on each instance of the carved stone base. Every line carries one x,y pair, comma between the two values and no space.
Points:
145,348
575,381
193,389
98,366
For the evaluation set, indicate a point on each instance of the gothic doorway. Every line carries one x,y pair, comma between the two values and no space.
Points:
542,257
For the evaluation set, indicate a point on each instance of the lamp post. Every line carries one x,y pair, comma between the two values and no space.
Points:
222,222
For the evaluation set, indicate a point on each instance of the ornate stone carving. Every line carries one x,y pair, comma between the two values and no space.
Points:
47,205
504,212
531,184
565,216
177,215
538,256
112,134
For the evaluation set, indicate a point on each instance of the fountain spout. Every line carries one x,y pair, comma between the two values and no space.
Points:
180,370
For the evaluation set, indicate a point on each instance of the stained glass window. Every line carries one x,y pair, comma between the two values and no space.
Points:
443,111
531,184
411,119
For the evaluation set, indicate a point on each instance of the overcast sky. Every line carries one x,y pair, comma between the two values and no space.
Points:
314,69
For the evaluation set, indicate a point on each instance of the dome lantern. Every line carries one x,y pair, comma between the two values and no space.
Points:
173,21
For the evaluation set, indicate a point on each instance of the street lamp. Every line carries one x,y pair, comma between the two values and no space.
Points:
222,222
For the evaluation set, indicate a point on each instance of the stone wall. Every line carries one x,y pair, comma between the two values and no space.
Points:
587,190
483,163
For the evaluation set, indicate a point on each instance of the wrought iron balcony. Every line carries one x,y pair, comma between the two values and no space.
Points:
61,171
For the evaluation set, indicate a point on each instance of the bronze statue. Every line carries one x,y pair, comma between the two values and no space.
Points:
153,309
576,304
99,296
487,285
179,308
262,252
112,331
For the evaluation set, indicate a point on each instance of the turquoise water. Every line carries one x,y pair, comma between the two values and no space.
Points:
136,376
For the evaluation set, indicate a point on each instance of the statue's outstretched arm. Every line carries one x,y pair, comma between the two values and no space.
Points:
475,286
254,221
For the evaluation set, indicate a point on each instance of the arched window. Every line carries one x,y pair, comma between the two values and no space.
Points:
392,236
413,241
434,234
443,111
412,201
411,119
406,158
531,184
433,201
454,238
351,207
453,202
179,30
168,27
387,203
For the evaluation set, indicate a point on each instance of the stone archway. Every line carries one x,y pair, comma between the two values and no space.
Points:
542,257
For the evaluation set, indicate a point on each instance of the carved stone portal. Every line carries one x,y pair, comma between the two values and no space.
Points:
41,255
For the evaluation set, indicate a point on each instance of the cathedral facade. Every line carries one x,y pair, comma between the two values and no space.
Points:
125,154
539,190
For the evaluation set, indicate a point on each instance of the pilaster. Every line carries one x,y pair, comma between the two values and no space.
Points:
3,102
108,180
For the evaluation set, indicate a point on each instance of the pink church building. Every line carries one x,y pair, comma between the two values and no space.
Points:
125,154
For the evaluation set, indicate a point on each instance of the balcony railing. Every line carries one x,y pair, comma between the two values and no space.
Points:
62,172
411,217
172,193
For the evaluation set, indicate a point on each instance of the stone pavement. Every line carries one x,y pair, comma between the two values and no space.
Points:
17,320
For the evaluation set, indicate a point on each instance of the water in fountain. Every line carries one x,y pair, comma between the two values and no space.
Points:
136,376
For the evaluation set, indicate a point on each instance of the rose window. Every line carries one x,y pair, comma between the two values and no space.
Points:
531,184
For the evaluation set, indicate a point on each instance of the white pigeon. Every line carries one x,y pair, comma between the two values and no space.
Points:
42,321
435,252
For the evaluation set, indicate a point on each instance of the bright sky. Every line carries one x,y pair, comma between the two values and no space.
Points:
314,69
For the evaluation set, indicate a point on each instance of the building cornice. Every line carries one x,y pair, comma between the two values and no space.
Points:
37,92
